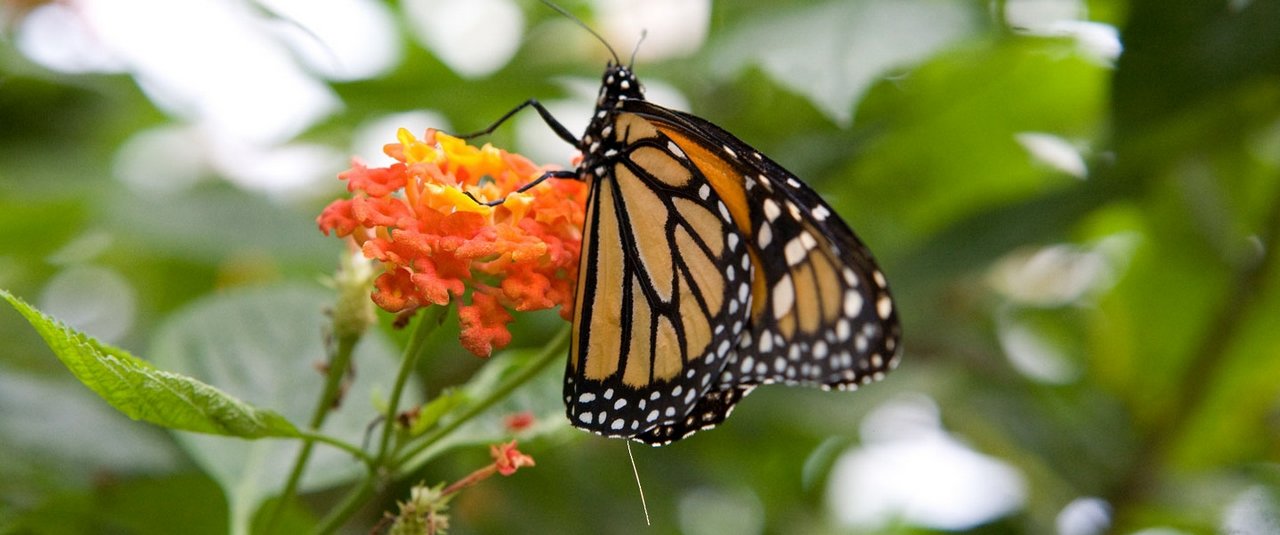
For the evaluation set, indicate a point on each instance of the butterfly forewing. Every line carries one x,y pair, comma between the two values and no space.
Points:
657,317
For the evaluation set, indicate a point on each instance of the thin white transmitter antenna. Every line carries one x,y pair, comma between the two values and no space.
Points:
635,471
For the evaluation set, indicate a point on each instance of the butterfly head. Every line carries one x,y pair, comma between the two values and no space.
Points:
619,83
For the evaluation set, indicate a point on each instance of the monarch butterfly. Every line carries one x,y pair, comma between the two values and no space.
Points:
707,269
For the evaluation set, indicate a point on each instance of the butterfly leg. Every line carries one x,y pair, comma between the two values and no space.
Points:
526,187
551,121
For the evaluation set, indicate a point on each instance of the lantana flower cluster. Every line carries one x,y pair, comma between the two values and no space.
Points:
437,244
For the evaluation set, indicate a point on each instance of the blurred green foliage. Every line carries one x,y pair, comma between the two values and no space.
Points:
1169,409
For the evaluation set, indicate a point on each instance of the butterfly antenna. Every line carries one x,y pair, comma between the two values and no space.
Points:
584,26
634,470
634,51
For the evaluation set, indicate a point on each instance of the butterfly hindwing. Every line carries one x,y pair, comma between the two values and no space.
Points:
711,410
822,313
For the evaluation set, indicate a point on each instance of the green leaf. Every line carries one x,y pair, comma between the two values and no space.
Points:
857,41
143,392
431,412
263,344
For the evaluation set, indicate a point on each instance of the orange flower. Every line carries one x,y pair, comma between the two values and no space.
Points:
436,243
507,458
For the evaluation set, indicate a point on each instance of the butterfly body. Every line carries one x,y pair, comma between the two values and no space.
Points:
706,270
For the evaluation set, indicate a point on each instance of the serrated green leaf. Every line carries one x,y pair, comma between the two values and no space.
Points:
143,392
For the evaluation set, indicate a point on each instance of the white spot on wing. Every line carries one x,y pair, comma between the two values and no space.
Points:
842,329
784,296
771,209
794,251
764,236
675,149
852,303
793,210
884,306
849,277
808,240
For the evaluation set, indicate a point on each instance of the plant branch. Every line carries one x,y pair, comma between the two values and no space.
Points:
554,350
350,504
426,325
1204,370
339,363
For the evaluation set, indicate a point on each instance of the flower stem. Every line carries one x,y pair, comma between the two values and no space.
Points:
339,362
554,350
350,504
427,323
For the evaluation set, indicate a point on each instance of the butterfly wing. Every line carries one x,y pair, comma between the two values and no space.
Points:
664,288
822,314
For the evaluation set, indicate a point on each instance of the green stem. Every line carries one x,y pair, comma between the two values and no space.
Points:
355,451
350,504
339,362
553,351
426,324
